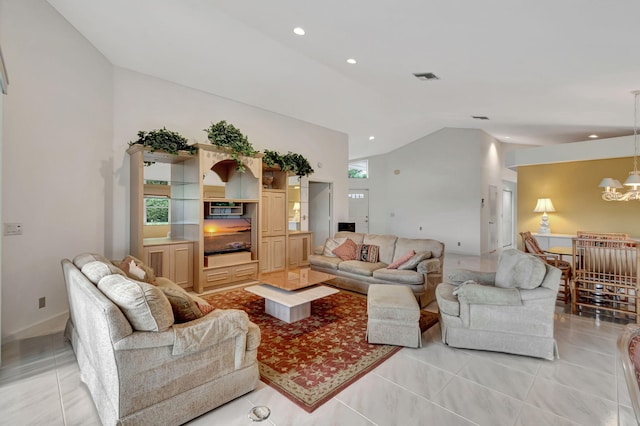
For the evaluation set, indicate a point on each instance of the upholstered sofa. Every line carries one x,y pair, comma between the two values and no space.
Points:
510,310
166,375
358,275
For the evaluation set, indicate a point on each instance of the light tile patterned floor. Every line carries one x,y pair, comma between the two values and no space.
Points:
437,385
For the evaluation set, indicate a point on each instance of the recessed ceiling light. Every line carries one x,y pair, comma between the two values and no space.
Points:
371,138
593,136
507,137
352,61
298,31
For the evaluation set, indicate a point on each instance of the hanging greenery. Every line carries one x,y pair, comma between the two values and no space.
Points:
229,137
164,140
290,162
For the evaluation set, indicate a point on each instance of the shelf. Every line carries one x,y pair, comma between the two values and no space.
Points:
161,156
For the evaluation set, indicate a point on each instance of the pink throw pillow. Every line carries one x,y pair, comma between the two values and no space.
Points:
346,250
401,260
205,308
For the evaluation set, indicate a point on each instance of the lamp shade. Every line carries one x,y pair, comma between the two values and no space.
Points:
633,179
610,183
544,205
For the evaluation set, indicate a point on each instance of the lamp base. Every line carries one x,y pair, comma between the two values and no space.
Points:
544,225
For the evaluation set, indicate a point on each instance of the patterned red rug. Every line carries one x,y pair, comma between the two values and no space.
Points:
313,359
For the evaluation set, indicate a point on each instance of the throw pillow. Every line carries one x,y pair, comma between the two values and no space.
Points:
148,276
97,270
346,250
415,259
205,308
144,305
330,245
184,308
367,252
402,259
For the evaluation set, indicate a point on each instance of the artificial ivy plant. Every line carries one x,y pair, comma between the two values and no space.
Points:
227,136
164,140
290,162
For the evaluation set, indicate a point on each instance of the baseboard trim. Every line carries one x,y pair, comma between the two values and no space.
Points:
50,325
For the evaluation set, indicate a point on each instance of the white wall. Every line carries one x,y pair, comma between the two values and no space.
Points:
577,151
67,121
441,181
144,103
57,137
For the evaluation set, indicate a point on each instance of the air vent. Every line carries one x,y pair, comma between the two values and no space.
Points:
479,117
426,76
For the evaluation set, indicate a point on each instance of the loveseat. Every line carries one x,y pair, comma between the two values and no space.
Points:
140,366
421,272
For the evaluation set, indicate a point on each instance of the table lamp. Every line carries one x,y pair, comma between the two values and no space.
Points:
544,205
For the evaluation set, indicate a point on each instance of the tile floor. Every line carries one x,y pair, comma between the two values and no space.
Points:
437,385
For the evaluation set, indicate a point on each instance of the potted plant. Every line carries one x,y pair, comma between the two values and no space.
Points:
290,162
229,138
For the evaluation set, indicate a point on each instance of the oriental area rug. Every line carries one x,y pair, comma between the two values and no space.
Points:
313,359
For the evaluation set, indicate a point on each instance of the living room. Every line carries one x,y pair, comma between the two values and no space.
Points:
71,112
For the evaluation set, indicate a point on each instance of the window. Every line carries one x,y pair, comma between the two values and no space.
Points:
156,210
359,169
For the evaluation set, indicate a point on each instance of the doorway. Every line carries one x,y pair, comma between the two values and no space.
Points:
359,209
507,218
320,211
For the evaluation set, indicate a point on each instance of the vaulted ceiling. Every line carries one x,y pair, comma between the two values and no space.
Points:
543,71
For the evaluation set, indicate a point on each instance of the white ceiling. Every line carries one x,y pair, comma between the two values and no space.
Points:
543,71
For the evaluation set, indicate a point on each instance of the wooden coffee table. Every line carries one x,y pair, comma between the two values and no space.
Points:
288,294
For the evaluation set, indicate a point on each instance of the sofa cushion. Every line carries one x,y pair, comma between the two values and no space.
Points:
387,244
331,244
147,274
84,258
518,269
415,259
97,270
402,259
360,268
325,261
403,245
356,237
367,252
144,305
400,277
346,250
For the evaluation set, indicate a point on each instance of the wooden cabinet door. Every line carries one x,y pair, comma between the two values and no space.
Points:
274,213
159,259
295,250
182,264
278,253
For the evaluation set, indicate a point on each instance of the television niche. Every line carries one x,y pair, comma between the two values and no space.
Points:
227,235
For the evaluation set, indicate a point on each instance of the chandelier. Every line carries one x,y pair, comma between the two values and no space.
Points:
633,181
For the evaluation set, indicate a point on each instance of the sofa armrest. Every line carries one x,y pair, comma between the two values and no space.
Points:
144,340
488,295
429,266
318,249
462,275
538,293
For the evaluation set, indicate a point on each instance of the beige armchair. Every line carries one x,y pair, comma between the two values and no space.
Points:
510,310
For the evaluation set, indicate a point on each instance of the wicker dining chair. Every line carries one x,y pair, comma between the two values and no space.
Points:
530,245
